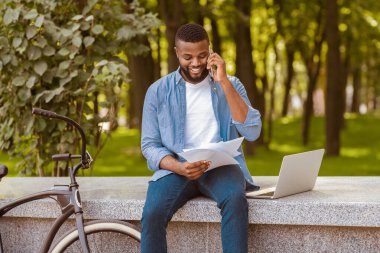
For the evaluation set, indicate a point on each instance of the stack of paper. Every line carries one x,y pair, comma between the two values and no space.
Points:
221,153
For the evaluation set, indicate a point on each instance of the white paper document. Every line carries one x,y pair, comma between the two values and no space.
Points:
221,153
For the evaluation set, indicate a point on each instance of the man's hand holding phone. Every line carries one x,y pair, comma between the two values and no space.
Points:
216,66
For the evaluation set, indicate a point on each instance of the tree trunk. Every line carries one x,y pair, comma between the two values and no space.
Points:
270,114
288,81
96,115
245,67
157,63
345,74
142,76
215,35
374,102
272,97
368,80
313,73
356,76
194,12
308,106
290,51
313,68
334,82
216,41
171,11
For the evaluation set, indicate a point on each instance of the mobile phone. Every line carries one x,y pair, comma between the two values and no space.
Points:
213,67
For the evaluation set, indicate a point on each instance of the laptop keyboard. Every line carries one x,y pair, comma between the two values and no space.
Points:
263,192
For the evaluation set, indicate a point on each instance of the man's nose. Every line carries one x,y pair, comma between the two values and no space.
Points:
195,62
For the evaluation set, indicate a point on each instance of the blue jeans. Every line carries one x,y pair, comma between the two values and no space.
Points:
226,185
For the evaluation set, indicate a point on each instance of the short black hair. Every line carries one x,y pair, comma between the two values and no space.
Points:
191,33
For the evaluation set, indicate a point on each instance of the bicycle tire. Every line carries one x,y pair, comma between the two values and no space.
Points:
125,236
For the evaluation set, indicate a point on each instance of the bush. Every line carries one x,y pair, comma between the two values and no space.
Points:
56,56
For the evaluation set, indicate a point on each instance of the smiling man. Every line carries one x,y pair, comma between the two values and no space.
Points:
186,109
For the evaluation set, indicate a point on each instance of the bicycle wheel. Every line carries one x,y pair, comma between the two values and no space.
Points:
103,236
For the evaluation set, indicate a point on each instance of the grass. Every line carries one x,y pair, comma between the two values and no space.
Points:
360,150
360,147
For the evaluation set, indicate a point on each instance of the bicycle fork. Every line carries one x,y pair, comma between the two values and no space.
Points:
79,218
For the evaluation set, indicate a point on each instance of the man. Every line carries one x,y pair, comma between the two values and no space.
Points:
186,109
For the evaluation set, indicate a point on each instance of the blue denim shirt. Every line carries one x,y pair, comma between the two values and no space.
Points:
164,115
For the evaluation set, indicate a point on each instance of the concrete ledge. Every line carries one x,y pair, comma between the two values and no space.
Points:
343,212
335,201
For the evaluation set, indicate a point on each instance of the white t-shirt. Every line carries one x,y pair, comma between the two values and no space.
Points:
201,126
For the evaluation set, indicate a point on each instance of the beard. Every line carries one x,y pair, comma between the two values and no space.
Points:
191,79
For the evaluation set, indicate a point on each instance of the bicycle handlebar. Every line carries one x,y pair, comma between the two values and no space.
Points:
86,160
45,113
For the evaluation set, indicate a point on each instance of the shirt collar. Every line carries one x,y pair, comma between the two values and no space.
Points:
178,76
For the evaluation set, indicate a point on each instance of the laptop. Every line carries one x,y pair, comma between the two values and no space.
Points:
298,174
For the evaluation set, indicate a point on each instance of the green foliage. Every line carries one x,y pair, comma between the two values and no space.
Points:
360,153
55,56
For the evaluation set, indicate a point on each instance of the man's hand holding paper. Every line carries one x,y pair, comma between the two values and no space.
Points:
220,154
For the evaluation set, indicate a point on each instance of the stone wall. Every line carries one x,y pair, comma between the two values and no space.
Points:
342,214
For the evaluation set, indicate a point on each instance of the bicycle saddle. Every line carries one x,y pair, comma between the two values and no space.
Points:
3,171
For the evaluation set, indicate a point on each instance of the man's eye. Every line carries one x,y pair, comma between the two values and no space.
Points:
187,58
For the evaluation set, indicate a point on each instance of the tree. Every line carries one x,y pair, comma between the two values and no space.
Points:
356,74
215,35
360,37
245,67
143,72
142,76
172,13
266,47
334,94
310,49
58,57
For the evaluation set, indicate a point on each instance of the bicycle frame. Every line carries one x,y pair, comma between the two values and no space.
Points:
69,200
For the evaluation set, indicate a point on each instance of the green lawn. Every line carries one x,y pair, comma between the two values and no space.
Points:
360,142
360,152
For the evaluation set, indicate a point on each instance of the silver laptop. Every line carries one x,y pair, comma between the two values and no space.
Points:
298,174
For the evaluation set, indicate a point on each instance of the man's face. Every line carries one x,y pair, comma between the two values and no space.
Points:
193,60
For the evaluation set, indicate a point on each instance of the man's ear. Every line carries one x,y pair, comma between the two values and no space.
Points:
176,52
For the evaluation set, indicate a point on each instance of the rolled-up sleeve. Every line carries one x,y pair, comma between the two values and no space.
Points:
250,129
151,143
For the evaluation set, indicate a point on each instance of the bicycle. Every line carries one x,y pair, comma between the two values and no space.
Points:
85,237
